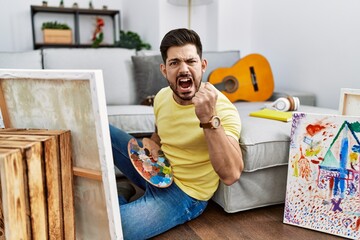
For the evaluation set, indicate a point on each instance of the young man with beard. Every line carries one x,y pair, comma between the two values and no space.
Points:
198,130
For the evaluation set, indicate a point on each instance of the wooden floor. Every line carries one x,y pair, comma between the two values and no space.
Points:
257,224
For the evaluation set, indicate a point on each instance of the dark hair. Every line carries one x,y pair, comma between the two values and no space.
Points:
180,37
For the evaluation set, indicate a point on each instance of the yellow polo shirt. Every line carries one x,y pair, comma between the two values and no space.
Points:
183,142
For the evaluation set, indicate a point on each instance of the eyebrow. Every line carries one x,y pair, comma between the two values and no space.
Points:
186,59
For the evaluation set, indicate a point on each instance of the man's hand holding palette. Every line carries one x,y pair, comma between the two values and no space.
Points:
150,162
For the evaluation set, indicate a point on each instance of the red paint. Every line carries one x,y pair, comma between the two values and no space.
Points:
313,129
331,184
357,226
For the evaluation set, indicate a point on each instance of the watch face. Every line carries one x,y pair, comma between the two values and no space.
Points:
216,122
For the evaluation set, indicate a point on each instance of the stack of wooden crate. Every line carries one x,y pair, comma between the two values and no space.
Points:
36,177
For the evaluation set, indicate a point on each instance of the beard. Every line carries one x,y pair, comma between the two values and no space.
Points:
184,96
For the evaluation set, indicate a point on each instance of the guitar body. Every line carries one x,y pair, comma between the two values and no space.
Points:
249,79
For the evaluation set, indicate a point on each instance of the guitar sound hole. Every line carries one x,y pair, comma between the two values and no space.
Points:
230,84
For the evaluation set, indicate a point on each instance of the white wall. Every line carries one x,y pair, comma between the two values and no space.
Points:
311,45
235,25
153,19
142,17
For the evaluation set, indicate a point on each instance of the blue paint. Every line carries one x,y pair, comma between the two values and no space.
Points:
356,148
344,151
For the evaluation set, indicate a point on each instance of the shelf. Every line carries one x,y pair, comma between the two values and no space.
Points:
36,9
76,12
54,45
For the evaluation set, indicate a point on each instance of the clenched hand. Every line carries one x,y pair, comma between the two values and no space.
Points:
205,102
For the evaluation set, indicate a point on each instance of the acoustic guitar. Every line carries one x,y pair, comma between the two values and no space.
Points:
249,79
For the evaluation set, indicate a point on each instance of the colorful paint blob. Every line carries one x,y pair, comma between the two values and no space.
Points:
150,162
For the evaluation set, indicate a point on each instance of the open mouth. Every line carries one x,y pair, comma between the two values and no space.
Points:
185,83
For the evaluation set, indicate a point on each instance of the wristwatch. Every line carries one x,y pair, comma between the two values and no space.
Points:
213,123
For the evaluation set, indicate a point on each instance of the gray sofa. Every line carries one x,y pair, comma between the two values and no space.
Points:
131,76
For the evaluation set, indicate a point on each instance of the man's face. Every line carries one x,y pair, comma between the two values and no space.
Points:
183,70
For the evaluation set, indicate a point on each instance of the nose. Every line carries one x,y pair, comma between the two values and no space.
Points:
183,67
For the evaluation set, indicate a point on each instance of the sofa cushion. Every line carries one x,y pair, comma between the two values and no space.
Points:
254,189
265,142
148,77
21,60
114,62
132,118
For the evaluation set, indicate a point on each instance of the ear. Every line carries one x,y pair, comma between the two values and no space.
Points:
203,65
163,69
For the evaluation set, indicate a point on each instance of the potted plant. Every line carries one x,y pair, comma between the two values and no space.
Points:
58,33
131,40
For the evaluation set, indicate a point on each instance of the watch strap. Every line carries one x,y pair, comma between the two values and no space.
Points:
210,124
206,125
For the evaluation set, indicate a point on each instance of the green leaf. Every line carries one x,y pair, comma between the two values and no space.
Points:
131,40
54,25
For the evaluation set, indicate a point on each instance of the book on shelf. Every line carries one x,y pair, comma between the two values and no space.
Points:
272,114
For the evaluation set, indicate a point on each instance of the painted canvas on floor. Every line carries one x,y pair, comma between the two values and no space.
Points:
324,174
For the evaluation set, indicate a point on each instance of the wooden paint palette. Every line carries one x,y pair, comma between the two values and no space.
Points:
156,170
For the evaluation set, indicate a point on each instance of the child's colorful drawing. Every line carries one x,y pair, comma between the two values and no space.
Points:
150,162
324,174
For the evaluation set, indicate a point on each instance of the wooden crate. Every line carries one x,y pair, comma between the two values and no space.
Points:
56,167
14,196
58,36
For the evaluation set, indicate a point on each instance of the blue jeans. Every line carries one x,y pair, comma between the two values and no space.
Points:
159,209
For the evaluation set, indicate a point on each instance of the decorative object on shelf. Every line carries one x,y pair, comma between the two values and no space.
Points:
98,35
61,3
189,4
131,40
75,5
58,33
113,16
54,25
104,7
91,5
44,3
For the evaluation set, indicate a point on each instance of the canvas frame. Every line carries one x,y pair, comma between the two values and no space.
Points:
73,100
323,185
349,103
